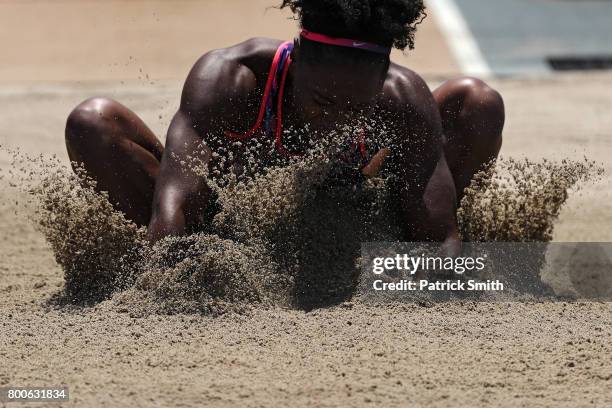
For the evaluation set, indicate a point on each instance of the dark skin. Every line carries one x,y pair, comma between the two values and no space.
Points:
445,136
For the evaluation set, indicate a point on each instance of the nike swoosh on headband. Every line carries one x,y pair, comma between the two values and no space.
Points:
345,42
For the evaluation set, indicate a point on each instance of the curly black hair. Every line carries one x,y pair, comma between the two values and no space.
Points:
385,22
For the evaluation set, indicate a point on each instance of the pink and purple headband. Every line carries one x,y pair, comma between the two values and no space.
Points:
345,42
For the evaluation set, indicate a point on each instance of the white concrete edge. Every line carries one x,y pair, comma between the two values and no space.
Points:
459,38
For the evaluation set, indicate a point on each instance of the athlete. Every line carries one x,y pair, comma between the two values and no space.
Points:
335,70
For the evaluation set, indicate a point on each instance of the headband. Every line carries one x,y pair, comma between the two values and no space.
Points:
345,42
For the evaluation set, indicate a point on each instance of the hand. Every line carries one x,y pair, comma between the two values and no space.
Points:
376,163
451,247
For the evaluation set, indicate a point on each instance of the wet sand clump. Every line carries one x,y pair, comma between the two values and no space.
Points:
203,273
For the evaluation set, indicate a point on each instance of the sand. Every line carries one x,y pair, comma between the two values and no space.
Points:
139,40
526,353
462,353
459,353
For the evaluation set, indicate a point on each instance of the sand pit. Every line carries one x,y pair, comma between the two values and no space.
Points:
287,236
134,348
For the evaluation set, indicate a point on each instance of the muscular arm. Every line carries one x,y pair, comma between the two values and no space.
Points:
427,190
181,195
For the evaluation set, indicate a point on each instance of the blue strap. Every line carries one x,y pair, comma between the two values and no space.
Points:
273,94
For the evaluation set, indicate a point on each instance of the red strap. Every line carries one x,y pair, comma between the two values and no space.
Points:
362,145
278,136
262,108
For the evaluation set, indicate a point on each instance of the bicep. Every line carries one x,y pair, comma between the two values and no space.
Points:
181,191
174,187
419,145
428,189
181,182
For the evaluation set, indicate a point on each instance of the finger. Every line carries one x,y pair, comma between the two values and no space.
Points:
376,163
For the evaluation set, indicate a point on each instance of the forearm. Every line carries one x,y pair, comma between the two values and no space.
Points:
429,198
181,194
165,222
440,202
433,213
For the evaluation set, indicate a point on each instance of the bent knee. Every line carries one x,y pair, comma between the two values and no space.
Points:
93,118
478,96
480,108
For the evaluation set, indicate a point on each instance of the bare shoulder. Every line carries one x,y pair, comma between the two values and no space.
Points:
405,91
227,74
412,109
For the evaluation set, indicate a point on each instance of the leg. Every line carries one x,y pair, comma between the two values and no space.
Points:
473,119
118,151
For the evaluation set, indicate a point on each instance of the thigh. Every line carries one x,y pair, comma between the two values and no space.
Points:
118,151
